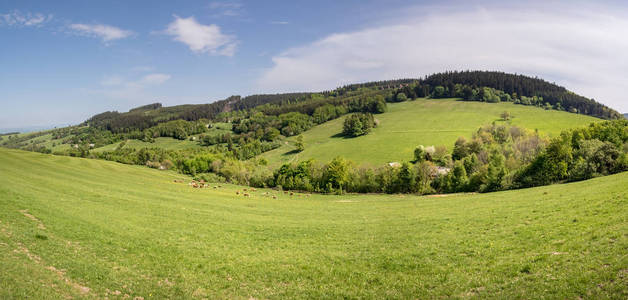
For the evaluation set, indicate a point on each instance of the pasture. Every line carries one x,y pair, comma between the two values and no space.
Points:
72,227
420,122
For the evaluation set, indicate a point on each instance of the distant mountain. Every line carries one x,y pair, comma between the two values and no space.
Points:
626,115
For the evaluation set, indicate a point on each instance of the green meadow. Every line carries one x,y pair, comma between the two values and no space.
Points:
421,122
166,143
72,227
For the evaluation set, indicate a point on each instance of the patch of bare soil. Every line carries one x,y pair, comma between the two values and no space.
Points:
61,273
40,224
21,249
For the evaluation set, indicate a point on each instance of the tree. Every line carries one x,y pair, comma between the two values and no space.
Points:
380,106
299,143
336,174
496,172
407,179
419,154
459,177
461,149
439,92
401,97
270,134
358,124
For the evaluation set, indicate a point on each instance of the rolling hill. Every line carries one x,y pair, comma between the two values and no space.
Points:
420,122
72,227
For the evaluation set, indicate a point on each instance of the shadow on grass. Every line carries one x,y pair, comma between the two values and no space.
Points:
291,152
341,135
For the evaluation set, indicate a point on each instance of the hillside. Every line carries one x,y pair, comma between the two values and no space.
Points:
421,122
80,227
271,117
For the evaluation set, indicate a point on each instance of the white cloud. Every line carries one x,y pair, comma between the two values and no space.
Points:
19,19
227,8
202,38
123,87
112,81
105,32
142,69
279,22
583,49
154,79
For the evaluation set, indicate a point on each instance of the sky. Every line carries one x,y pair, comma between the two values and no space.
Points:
64,61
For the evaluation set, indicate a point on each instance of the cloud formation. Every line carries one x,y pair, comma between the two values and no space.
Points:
155,78
105,32
202,38
227,8
584,50
123,87
19,19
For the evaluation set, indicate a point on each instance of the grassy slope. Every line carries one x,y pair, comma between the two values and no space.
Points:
420,122
170,143
162,142
113,227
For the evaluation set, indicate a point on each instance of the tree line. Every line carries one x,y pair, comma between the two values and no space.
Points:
478,86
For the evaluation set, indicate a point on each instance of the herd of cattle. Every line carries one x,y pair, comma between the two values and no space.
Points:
245,192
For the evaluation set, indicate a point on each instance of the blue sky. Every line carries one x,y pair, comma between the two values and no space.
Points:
63,61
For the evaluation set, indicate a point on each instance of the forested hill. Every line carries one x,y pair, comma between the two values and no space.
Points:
468,85
462,84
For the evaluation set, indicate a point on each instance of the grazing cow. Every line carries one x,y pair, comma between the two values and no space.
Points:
244,190
246,195
253,190
215,187
285,192
274,197
291,193
237,192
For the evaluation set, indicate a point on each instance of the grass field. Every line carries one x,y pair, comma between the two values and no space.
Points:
421,122
95,229
161,142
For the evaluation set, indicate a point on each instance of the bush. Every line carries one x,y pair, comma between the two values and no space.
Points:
210,177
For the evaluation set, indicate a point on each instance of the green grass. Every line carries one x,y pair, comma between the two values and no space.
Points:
166,143
421,122
67,224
